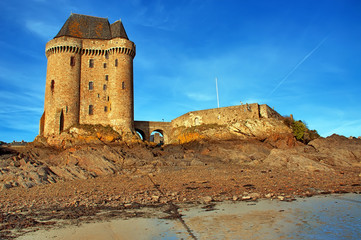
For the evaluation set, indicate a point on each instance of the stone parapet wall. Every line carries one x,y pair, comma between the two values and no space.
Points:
224,115
267,112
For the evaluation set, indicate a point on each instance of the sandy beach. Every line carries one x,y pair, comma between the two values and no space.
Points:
319,217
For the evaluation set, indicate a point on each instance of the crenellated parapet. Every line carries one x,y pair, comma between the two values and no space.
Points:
122,50
88,51
90,47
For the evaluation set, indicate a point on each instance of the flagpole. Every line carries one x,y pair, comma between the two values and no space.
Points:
217,92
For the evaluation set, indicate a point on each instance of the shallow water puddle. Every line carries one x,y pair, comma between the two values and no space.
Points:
320,217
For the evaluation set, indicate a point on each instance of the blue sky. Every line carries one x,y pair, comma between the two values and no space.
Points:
301,57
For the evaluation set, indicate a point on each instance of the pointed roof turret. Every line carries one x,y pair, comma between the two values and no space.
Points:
118,30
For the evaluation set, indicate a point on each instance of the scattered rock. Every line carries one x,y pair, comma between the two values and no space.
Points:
155,198
4,186
269,195
281,198
244,198
249,186
254,196
196,162
207,199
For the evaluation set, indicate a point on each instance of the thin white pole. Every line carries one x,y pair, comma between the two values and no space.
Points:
217,92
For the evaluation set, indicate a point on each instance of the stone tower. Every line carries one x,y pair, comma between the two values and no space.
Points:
89,76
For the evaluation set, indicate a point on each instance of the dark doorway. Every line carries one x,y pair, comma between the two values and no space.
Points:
61,126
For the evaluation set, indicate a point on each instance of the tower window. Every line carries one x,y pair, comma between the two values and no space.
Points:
105,109
91,109
91,63
72,61
52,86
108,98
66,109
123,85
106,55
116,63
98,95
106,77
104,65
104,87
91,85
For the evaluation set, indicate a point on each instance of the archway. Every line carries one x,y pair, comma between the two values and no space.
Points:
140,134
196,121
157,136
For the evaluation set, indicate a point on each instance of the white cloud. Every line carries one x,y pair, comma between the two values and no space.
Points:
42,29
346,128
200,97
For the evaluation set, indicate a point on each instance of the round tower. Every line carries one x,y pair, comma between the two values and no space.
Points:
61,106
89,76
121,97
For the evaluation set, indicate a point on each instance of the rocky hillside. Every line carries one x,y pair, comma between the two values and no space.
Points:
37,164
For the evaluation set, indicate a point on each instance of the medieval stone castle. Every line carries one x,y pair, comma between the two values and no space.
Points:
90,81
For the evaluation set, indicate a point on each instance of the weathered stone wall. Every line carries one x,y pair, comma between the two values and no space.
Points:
68,95
225,115
267,112
217,115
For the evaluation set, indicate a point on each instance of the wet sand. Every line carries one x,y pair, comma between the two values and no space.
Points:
318,217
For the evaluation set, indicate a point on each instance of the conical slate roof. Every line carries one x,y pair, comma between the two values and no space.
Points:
83,26
117,30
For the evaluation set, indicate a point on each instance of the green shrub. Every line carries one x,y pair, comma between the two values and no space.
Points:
300,130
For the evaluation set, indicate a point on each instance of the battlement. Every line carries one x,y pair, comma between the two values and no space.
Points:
90,47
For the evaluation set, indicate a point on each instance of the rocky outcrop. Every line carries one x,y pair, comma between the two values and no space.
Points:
338,150
25,171
85,135
295,160
244,129
259,128
36,165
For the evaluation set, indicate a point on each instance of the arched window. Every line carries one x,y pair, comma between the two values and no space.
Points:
91,109
91,63
52,85
72,61
91,85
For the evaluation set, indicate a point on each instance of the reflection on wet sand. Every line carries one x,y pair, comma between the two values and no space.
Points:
321,217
